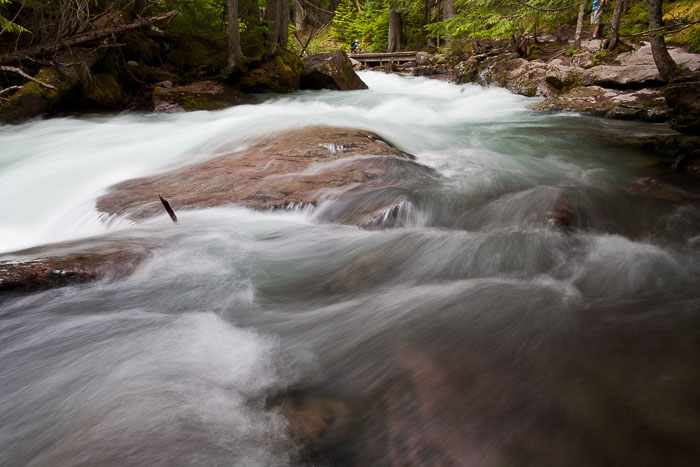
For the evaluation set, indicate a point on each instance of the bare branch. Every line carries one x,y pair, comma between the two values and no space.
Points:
8,89
664,28
85,37
24,75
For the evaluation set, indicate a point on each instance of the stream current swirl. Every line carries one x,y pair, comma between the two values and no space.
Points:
473,336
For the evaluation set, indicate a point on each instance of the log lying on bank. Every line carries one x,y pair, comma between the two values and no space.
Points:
291,169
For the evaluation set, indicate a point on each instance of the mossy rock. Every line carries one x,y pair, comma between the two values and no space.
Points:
280,73
104,91
140,47
201,95
195,56
34,99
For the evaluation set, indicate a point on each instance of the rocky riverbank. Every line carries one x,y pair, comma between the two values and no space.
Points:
623,84
160,71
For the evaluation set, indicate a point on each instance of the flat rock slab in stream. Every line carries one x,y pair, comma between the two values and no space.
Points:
71,263
289,169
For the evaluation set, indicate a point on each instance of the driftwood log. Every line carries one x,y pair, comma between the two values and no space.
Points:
97,34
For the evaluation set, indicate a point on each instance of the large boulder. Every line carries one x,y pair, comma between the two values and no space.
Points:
200,95
280,73
34,99
104,91
284,170
330,71
684,101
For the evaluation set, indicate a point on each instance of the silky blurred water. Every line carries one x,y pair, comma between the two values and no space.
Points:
480,334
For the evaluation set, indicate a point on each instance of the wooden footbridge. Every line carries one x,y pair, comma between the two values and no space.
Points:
378,59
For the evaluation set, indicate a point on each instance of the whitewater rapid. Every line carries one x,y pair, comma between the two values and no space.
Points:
478,327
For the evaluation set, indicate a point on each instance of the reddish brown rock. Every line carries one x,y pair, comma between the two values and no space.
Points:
295,168
60,265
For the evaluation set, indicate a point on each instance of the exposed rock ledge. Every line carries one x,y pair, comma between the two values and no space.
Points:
628,87
71,263
294,168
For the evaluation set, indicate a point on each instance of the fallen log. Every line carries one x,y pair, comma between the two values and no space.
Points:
42,49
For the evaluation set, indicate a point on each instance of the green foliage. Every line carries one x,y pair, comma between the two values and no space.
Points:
688,11
600,57
572,52
203,18
369,26
7,25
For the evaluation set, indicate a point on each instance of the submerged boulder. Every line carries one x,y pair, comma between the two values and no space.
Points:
284,170
330,71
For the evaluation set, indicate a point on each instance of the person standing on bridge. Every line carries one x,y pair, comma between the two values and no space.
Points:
353,46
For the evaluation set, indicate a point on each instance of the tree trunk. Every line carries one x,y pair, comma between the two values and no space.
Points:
233,64
426,12
449,10
579,25
560,38
394,29
272,13
615,24
283,23
298,16
668,69
251,13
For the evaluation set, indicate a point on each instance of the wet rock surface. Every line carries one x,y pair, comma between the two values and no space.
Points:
623,86
684,99
290,169
330,71
71,263
645,104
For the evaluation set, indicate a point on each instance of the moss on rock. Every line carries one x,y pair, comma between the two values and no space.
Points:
104,91
280,73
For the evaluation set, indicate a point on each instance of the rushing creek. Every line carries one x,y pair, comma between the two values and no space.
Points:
473,336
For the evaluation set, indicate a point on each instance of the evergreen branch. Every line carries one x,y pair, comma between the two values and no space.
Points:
549,10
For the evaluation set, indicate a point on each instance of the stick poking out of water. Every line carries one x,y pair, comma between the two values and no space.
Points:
167,207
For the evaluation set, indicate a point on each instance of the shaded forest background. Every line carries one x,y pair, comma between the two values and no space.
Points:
117,50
